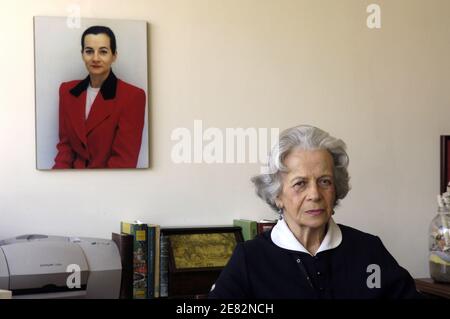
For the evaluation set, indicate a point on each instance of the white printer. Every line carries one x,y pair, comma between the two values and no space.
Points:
40,266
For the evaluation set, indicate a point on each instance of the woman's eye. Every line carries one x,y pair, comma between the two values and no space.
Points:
325,182
299,184
103,52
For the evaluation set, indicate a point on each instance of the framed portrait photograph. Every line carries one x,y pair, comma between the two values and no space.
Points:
91,93
445,162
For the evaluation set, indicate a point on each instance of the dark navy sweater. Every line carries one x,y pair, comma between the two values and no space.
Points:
260,269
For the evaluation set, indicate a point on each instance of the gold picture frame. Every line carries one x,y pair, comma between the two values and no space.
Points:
201,249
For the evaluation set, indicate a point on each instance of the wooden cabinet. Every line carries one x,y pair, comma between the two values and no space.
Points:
433,289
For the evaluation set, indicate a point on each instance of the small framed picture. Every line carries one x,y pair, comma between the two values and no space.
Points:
202,249
196,256
445,162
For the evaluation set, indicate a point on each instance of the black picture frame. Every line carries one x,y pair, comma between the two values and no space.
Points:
232,233
445,162
193,282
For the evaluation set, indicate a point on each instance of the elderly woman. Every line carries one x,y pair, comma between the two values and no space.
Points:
308,255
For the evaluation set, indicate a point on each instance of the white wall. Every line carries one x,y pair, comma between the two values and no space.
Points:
247,63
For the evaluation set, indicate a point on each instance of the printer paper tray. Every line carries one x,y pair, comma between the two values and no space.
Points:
48,292
78,294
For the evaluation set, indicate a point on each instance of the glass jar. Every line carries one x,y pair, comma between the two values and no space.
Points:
439,246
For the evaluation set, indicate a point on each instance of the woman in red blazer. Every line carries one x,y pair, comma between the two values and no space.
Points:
101,118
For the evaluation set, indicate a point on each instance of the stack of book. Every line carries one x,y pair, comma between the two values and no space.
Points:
252,228
249,228
266,225
147,256
139,247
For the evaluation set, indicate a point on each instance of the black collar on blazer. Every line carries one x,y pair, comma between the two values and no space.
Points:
108,88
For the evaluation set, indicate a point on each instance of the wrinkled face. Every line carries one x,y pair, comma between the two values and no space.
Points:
308,192
97,54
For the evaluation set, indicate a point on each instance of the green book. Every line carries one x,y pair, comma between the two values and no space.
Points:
249,229
140,257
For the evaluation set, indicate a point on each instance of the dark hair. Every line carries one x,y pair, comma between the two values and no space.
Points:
97,29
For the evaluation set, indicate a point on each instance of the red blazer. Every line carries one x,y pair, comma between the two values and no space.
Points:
111,135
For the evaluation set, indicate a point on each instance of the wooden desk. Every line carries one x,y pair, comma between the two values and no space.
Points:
428,287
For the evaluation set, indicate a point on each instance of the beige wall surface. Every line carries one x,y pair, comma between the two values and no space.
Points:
247,64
